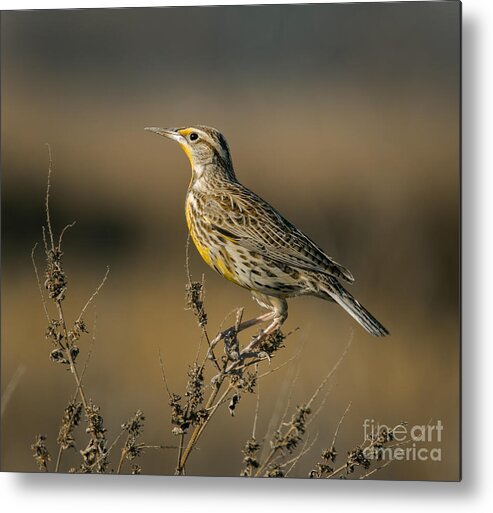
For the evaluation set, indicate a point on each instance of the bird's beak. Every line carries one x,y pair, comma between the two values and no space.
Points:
170,133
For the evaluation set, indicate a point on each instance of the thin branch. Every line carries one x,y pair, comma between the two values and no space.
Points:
289,360
69,357
221,400
95,293
47,197
200,428
288,384
257,407
122,459
203,329
339,424
304,450
43,300
159,447
71,225
86,363
163,374
91,348
332,371
368,474
290,396
45,242
316,413
58,459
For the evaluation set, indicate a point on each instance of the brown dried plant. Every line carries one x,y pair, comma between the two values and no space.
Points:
65,337
233,375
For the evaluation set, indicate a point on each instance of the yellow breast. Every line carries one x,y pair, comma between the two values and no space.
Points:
202,249
211,257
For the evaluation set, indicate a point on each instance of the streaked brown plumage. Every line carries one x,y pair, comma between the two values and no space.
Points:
249,242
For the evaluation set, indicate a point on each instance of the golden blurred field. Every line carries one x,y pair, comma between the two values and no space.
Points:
345,118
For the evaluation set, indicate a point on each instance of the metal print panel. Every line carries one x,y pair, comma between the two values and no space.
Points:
161,168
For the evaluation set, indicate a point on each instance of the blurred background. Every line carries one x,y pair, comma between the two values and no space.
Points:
344,117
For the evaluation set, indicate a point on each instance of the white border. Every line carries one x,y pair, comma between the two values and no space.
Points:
34,492
66,4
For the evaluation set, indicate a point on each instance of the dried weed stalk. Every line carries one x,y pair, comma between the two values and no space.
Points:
65,337
360,457
234,374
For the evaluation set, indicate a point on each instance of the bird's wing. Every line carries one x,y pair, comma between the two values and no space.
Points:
250,222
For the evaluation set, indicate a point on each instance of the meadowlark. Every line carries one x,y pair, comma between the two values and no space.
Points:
250,243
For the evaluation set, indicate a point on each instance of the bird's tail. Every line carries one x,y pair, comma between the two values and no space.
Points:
343,298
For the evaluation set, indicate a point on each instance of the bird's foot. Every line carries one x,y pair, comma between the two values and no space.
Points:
256,342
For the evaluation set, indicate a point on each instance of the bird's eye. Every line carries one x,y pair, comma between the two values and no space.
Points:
193,136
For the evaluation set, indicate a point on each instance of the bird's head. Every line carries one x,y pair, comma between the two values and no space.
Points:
204,146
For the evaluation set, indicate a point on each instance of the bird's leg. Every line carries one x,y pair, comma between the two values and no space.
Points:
274,326
256,320
236,329
279,314
242,326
